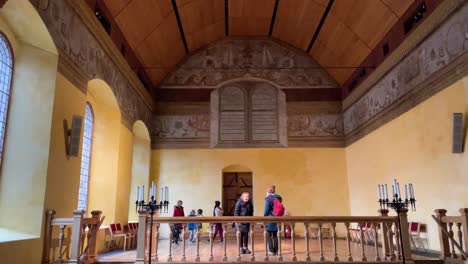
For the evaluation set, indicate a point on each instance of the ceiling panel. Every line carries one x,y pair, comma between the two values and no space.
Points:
202,21
163,48
250,18
297,20
398,7
115,6
141,17
353,28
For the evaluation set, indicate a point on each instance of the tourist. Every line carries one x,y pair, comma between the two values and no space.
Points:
244,207
192,227
218,227
176,228
272,228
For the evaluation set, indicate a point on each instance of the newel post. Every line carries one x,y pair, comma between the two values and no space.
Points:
404,232
141,242
385,241
444,242
47,236
76,235
464,216
92,248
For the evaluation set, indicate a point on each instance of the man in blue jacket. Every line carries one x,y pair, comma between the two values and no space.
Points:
271,228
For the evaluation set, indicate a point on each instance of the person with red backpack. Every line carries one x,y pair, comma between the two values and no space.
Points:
273,207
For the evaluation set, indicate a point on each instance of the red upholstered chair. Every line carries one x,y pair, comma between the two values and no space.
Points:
416,238
116,232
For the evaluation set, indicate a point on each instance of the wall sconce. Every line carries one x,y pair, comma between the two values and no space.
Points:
72,135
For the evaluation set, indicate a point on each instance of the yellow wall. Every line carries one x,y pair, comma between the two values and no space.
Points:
300,174
140,166
27,137
416,148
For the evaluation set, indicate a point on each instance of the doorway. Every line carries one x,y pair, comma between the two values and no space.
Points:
234,184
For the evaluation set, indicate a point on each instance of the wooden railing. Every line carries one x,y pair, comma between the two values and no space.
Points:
76,239
386,246
453,242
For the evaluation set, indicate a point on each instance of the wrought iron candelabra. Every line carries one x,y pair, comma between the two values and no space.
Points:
397,203
152,206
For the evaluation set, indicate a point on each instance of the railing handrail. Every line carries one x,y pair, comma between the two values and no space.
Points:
452,219
454,242
281,219
62,221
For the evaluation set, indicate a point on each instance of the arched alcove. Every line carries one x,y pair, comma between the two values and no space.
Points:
141,154
103,176
23,174
237,179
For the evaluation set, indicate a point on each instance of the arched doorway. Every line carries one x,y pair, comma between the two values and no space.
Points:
236,180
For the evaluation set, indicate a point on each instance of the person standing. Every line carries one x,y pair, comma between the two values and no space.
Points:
218,227
176,228
272,228
244,207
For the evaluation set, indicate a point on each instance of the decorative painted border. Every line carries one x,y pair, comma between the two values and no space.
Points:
89,53
436,63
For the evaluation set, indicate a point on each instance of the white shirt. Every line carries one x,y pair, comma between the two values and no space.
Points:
218,211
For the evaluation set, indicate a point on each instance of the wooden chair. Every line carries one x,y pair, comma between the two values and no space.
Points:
116,231
415,231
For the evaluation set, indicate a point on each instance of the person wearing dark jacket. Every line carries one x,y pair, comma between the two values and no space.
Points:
244,207
271,228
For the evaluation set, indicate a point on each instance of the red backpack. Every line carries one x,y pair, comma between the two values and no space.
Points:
278,208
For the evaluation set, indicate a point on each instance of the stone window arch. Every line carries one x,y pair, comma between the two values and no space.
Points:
248,114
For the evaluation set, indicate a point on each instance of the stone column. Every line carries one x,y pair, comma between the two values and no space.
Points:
76,235
385,241
141,242
404,231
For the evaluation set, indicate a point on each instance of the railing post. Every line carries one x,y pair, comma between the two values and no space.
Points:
47,236
76,236
404,232
444,243
92,248
141,242
385,241
464,220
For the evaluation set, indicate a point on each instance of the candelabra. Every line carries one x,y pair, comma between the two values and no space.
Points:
397,203
152,206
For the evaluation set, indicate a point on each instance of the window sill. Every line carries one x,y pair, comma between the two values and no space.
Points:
8,235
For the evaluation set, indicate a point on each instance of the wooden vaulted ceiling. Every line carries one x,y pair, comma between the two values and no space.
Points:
351,30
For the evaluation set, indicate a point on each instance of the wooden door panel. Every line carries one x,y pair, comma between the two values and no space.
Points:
234,184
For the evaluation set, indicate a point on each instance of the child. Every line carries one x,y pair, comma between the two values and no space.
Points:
192,227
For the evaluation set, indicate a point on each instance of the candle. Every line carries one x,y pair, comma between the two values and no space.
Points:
138,193
385,192
379,192
398,189
162,194
142,198
155,192
167,193
411,190
406,191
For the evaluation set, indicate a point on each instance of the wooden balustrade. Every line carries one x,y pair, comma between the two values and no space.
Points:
382,229
79,246
452,247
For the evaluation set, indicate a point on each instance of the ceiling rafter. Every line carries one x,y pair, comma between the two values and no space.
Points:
273,18
226,16
179,23
319,27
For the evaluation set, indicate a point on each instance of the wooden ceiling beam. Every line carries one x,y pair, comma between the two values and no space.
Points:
226,16
319,27
179,23
273,17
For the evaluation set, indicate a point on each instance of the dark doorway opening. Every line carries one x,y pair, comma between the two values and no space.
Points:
234,184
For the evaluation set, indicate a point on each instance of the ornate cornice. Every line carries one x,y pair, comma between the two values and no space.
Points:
95,28
72,72
427,27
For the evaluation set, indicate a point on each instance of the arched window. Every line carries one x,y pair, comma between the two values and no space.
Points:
6,72
86,158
